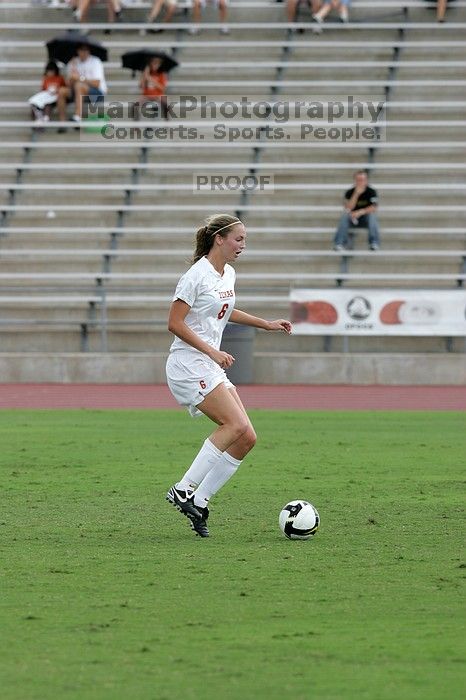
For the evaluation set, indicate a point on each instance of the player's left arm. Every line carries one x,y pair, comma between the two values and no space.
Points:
246,319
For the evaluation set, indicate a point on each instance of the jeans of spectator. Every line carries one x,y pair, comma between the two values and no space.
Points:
368,221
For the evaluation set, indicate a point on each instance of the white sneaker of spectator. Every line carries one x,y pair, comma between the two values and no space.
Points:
317,24
344,15
194,29
225,29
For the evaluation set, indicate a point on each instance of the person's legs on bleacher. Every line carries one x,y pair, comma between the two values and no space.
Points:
441,9
292,8
340,240
82,11
64,95
196,15
370,222
341,6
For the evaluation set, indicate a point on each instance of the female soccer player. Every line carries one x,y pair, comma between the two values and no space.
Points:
202,305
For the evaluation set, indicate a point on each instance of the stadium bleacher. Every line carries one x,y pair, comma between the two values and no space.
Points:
93,238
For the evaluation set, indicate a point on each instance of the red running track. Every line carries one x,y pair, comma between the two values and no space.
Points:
295,396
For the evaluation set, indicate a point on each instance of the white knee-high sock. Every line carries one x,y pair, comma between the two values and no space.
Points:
205,460
216,478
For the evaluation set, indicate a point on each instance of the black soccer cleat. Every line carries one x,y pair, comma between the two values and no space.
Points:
199,525
184,502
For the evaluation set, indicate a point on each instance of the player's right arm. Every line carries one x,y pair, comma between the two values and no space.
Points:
178,326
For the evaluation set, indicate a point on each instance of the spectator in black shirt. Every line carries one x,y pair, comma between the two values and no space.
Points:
360,206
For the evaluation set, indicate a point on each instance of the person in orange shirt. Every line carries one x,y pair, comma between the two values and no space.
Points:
42,102
154,84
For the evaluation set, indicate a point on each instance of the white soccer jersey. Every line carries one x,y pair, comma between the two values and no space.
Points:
211,297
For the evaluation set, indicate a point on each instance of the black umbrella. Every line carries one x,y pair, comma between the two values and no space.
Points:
63,48
138,60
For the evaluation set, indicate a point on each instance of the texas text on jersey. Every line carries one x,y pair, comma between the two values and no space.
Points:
205,291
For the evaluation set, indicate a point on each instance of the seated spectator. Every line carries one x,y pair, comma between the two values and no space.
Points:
85,77
292,8
341,6
360,207
222,9
42,102
153,84
171,6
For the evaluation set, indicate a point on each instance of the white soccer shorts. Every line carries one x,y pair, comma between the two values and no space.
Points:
191,377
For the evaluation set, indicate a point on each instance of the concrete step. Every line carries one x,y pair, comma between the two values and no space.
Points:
454,155
86,218
136,340
388,198
86,238
37,339
336,53
10,239
449,53
62,198
418,92
414,219
250,286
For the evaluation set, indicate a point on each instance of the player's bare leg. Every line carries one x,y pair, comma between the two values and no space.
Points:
247,440
222,408
218,459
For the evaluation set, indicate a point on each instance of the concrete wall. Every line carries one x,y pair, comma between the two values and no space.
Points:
361,368
269,368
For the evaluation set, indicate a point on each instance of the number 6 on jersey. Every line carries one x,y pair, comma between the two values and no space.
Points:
223,311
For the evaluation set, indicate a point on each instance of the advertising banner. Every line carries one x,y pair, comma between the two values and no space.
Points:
378,312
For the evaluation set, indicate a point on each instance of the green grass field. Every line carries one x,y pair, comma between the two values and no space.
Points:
106,593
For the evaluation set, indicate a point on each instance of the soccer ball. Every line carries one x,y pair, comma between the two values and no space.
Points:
299,520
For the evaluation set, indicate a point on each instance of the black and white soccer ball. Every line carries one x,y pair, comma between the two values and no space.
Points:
299,520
